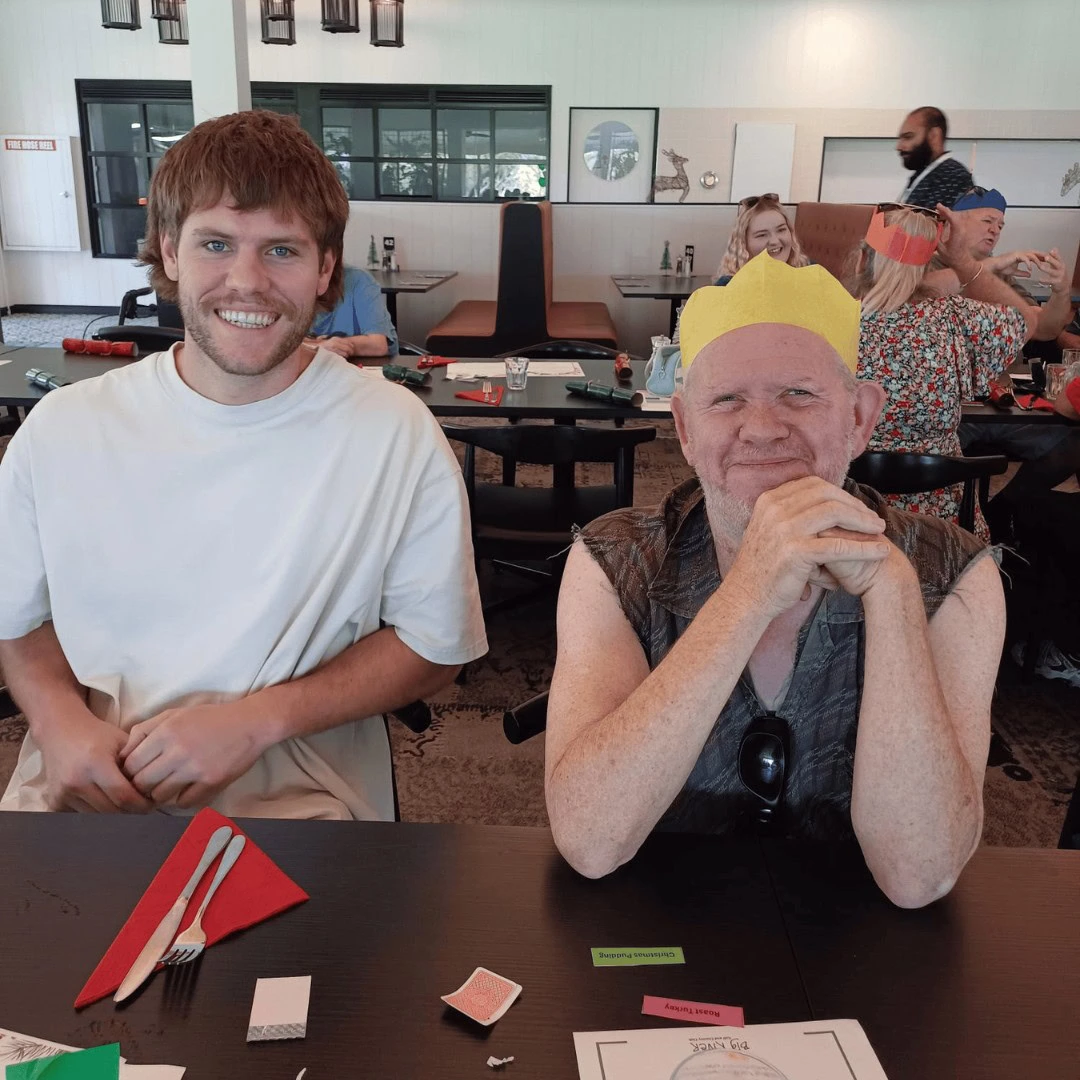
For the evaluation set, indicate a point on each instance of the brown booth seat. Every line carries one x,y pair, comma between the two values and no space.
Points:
830,232
524,311
469,318
579,320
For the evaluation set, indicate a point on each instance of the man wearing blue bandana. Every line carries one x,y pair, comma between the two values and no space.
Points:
1049,454
985,211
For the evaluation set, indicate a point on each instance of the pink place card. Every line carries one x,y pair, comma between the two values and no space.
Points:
693,1012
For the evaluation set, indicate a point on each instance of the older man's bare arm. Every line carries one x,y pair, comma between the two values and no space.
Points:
621,741
924,729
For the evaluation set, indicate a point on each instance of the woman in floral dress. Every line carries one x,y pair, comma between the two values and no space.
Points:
930,352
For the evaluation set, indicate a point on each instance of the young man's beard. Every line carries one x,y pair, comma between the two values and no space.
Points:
197,325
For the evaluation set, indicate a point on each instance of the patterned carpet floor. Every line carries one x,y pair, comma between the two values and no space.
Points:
462,769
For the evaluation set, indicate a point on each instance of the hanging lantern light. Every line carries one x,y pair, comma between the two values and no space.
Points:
388,23
341,16
120,14
278,22
171,18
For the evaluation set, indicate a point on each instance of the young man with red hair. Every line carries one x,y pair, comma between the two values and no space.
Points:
221,564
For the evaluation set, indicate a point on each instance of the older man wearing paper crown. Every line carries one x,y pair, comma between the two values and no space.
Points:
773,647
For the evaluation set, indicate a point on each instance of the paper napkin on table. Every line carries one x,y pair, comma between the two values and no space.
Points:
254,890
493,398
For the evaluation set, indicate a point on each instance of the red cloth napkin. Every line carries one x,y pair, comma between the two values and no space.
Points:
254,890
494,398
1072,393
1031,401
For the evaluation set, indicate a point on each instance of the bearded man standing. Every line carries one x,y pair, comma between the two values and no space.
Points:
773,646
937,176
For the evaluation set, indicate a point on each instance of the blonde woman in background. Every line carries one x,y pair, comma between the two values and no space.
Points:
930,352
762,225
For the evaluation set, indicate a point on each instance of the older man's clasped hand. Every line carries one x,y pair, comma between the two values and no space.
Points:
804,533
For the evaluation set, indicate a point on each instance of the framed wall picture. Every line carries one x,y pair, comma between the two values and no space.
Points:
612,155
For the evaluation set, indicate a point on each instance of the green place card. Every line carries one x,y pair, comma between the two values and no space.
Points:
636,957
97,1063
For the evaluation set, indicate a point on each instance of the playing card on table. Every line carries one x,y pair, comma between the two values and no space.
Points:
484,996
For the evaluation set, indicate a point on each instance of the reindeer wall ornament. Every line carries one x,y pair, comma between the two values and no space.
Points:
1070,180
672,183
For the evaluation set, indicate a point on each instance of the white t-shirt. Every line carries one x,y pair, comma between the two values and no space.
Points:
192,552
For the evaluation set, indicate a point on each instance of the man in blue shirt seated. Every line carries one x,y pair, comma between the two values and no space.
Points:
360,325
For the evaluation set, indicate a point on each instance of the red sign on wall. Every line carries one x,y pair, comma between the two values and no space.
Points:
29,144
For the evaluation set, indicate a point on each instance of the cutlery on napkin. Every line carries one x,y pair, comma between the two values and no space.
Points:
255,890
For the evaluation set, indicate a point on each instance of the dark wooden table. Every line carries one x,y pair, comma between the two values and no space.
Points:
399,915
983,985
408,281
16,392
660,287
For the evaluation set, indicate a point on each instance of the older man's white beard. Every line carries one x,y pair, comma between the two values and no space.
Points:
729,515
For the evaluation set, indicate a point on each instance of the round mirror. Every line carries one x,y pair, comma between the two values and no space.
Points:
611,150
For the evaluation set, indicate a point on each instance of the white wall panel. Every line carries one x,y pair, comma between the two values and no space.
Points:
833,67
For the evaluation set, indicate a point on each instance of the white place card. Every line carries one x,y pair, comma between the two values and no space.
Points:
280,1008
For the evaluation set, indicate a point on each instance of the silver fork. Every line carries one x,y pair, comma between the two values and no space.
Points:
192,941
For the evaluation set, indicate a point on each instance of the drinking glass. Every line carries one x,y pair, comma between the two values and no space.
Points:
517,372
1055,381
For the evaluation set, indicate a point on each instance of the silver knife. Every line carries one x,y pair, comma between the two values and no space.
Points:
162,937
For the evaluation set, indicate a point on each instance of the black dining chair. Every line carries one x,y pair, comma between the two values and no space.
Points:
512,524
564,349
1070,831
149,339
891,472
526,720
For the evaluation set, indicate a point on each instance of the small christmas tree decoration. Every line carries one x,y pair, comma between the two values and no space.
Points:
665,261
372,255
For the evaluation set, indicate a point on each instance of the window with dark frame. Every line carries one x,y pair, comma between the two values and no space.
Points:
438,143
126,127
445,143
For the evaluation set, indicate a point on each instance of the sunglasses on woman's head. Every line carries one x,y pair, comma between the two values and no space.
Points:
763,760
752,200
885,207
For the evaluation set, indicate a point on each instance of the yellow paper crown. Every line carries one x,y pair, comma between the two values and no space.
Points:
766,290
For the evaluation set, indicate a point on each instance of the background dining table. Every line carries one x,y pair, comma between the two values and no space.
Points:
670,287
984,984
544,398
408,281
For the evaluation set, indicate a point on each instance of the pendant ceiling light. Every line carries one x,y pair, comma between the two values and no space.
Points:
171,18
388,23
278,22
341,16
120,14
